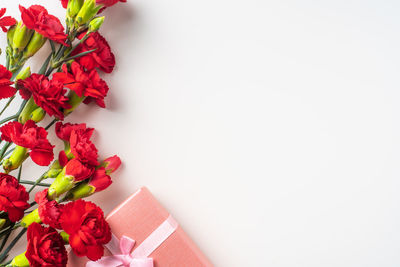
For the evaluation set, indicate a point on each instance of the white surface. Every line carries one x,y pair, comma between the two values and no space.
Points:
269,129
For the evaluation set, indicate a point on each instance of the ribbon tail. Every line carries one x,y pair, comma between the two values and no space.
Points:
110,261
145,262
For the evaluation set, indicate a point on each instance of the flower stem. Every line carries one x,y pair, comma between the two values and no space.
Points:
34,183
4,255
7,104
13,117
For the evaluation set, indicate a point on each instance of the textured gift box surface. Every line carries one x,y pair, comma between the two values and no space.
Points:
137,218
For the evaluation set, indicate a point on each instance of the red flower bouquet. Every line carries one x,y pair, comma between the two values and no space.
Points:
58,217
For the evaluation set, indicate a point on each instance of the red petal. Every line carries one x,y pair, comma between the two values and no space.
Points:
7,91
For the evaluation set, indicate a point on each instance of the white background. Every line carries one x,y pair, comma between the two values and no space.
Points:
269,129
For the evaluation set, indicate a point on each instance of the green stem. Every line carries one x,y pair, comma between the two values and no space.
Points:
19,176
6,238
7,104
13,117
51,124
4,255
45,65
37,182
34,183
3,150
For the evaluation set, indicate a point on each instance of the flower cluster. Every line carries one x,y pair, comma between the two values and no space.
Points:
59,216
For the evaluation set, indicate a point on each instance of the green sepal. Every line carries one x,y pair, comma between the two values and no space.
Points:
36,42
88,11
20,261
30,218
18,156
95,24
61,184
27,111
81,191
25,73
38,114
21,37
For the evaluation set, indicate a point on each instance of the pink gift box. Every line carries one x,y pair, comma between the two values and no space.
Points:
137,218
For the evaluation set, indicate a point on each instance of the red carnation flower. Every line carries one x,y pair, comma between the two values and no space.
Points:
37,18
85,152
49,95
108,3
84,83
63,131
102,58
6,21
45,247
79,170
100,180
32,137
82,148
49,210
5,89
64,3
88,230
13,197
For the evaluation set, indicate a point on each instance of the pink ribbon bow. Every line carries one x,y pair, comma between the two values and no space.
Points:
121,249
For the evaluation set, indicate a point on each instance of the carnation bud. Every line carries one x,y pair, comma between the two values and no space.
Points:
30,218
73,8
87,12
10,35
25,115
111,164
20,261
15,160
22,75
2,223
36,42
38,114
81,191
22,36
61,184
74,101
95,24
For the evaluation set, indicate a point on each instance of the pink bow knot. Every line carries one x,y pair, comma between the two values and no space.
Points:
122,255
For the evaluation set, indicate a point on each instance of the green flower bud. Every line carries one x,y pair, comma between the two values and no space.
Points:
87,12
20,261
30,218
74,101
22,36
73,8
38,114
22,75
2,223
81,191
61,184
65,237
95,24
36,42
18,156
10,35
25,115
